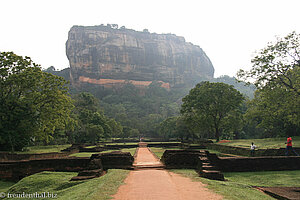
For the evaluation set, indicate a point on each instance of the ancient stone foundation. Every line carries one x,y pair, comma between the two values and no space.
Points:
115,160
174,159
87,167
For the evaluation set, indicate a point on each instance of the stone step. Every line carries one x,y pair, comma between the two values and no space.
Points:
209,167
212,174
204,159
159,166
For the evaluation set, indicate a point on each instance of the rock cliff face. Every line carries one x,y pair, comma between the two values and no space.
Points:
108,56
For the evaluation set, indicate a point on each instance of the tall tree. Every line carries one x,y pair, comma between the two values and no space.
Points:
276,72
92,124
33,104
277,65
212,104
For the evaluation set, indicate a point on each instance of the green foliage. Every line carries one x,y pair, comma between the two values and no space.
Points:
132,106
92,124
33,104
212,107
246,90
277,65
276,70
175,127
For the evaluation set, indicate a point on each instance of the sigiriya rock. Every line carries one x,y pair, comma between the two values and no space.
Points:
110,56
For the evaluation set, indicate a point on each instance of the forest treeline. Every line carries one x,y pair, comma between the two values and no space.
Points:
40,107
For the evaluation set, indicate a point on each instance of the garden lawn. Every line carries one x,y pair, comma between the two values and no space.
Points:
239,185
88,154
267,143
44,149
59,183
5,185
158,151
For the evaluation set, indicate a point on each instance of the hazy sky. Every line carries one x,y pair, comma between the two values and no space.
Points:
229,31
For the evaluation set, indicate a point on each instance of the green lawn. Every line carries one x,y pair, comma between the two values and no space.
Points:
126,143
239,184
267,143
44,149
5,185
159,151
219,154
88,154
59,183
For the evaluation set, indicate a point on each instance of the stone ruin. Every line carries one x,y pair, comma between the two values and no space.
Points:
87,167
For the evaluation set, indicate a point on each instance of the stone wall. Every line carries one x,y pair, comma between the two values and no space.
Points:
11,156
17,169
117,159
174,159
248,164
246,151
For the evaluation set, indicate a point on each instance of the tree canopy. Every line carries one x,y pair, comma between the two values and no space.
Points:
209,106
276,71
277,65
33,103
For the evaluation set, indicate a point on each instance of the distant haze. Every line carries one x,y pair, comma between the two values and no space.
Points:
228,31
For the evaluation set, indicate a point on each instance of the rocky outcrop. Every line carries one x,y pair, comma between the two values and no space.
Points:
109,56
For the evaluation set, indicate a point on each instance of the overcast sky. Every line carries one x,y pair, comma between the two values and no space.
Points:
229,31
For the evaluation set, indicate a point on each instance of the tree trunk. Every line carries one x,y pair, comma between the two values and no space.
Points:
217,134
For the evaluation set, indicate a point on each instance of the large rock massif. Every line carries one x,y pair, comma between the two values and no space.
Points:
110,57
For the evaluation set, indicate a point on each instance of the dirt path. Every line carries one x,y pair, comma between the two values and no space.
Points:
155,184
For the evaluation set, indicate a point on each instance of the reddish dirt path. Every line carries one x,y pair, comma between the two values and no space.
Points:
154,184
146,158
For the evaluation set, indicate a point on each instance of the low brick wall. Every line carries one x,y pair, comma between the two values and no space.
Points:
116,160
246,151
249,164
94,149
9,156
174,159
120,146
164,144
16,170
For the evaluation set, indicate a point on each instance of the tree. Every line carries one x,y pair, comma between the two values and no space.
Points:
276,111
211,104
33,103
276,72
277,65
92,124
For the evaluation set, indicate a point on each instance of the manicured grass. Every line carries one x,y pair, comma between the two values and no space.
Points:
89,147
163,142
130,150
219,154
158,151
267,143
84,154
5,185
239,185
266,178
120,143
44,149
88,154
59,183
